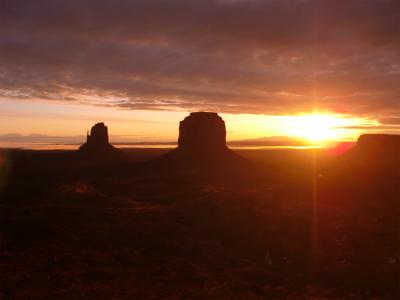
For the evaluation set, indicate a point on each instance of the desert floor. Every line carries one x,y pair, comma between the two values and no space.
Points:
289,225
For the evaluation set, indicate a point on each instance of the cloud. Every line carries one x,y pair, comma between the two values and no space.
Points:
229,56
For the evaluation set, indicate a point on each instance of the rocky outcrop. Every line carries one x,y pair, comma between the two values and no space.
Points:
98,135
202,131
97,144
202,141
379,142
377,148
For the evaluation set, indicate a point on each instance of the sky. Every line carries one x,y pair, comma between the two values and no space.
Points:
141,66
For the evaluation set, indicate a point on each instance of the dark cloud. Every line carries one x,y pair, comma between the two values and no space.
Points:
232,56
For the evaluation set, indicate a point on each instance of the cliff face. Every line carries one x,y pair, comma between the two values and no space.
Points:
97,144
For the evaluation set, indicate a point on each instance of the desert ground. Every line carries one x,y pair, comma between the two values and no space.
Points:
287,224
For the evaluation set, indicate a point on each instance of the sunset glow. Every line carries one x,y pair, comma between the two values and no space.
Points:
318,128
62,123
321,128
209,149
313,71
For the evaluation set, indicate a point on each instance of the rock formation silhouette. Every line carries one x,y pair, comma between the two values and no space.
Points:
202,131
378,148
97,145
202,141
379,142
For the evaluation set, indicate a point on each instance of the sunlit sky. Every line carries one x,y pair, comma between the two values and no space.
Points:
311,69
28,120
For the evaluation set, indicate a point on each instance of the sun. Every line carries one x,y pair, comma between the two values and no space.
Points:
318,128
315,128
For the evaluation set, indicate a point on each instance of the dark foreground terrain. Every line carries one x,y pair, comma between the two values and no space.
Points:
289,225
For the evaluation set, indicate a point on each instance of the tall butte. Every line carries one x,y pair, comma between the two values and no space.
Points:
97,144
202,141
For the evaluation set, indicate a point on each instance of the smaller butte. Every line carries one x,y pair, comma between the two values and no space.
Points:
97,145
